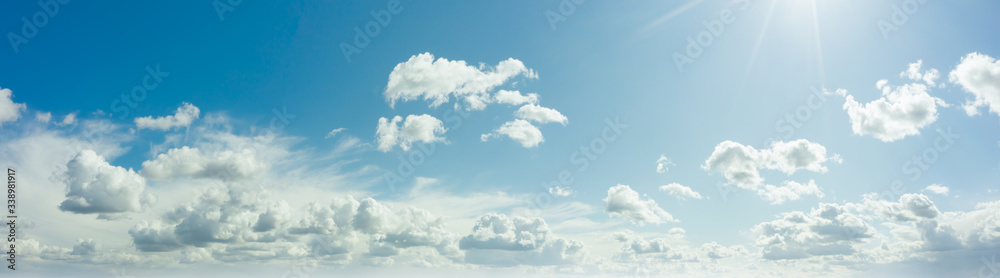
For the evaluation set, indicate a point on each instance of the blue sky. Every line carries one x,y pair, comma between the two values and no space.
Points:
241,98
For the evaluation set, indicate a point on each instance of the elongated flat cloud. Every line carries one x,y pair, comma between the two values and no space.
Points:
184,116
541,115
514,98
416,128
188,162
519,130
741,164
680,191
437,80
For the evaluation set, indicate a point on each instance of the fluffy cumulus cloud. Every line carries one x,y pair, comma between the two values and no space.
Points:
230,221
979,75
9,110
540,114
636,248
741,166
901,111
186,162
828,230
519,130
498,239
416,128
624,202
437,80
184,116
94,186
680,191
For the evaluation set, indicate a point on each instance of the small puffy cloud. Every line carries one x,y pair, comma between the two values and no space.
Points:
560,191
789,192
334,132
662,164
937,189
94,186
741,164
43,117
521,131
436,80
979,75
184,116
913,73
187,162
514,98
416,128
680,191
901,111
624,202
68,119
541,115
9,111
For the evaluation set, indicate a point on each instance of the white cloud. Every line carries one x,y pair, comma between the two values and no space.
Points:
636,248
541,115
913,73
9,111
94,186
789,192
498,239
901,111
560,191
187,162
741,164
715,250
680,191
910,207
663,163
43,117
416,128
937,189
68,119
979,75
334,132
624,202
437,80
184,116
828,230
521,131
515,98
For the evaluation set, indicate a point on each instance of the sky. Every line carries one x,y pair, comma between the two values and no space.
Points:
569,138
